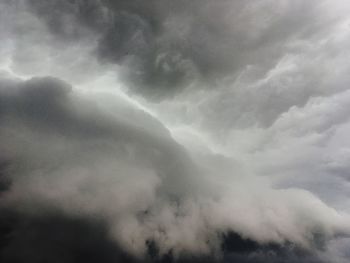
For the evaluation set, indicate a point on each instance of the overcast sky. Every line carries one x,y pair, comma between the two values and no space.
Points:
175,131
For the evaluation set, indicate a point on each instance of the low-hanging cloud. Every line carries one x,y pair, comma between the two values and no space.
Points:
162,131
65,155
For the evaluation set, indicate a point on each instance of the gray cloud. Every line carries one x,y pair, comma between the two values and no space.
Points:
68,156
175,131
164,45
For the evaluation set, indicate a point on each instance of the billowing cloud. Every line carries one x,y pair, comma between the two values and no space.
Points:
174,131
65,155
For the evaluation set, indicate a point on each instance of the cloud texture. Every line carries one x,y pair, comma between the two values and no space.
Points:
174,131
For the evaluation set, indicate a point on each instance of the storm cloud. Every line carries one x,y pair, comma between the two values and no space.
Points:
165,46
174,131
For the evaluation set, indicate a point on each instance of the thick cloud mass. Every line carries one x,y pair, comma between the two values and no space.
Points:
65,159
174,131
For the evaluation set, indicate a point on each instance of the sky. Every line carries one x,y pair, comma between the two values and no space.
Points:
175,131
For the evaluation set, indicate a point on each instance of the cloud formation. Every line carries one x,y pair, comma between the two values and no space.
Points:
174,131
66,155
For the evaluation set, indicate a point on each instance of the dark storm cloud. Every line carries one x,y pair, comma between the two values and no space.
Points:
166,45
131,33
4,180
34,115
260,174
43,105
45,102
56,237
64,165
238,249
